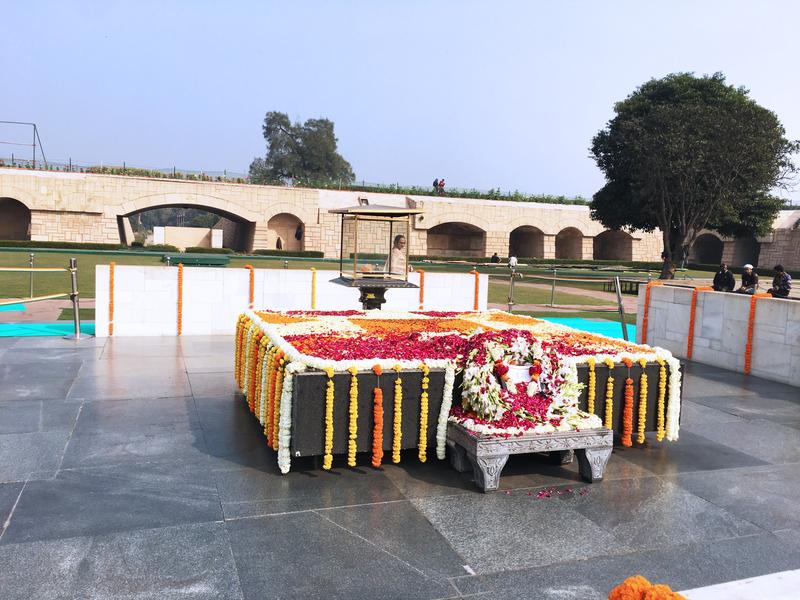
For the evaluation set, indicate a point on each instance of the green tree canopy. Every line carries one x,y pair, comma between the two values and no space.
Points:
687,153
304,153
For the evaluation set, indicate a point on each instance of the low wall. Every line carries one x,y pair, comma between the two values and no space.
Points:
146,298
721,330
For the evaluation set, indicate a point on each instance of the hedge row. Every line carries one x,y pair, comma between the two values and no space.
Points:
158,248
300,253
68,245
199,250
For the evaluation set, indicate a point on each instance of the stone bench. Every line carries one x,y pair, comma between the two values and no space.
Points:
486,455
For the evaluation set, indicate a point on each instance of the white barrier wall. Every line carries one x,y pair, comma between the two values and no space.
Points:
146,298
720,331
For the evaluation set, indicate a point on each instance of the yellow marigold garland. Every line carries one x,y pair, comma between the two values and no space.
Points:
262,347
398,416
609,420
327,460
591,391
276,405
662,394
423,414
252,370
642,402
353,424
377,417
268,395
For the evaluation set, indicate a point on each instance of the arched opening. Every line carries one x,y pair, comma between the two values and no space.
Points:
613,245
15,220
187,225
456,239
746,250
569,243
285,232
706,250
526,241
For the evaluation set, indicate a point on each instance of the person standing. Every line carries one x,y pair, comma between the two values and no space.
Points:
668,268
724,280
436,186
512,262
441,187
749,281
781,283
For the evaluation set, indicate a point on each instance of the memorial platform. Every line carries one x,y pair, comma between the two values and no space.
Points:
133,467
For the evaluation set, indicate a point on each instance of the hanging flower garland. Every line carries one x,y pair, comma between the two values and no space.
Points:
327,460
423,414
279,376
421,288
662,394
263,384
397,428
253,369
284,437
627,408
609,420
642,402
180,299
353,424
377,417
444,412
592,383
271,373
646,314
262,348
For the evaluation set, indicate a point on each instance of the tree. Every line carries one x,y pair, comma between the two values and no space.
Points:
301,152
687,153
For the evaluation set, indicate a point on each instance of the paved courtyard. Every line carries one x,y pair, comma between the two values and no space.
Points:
130,468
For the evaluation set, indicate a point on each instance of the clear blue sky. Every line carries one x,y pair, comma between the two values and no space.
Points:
485,94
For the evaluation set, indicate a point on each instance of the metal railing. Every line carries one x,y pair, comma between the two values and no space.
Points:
73,295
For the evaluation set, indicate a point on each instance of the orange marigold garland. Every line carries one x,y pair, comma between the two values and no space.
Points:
650,284
327,460
421,289
352,427
180,299
662,395
252,370
692,318
591,392
751,322
627,409
251,296
639,588
642,402
377,415
398,416
423,414
111,299
608,423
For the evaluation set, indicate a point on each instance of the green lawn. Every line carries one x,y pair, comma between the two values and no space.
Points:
87,314
498,293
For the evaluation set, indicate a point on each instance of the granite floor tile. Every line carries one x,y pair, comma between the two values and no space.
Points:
9,492
309,557
210,364
652,513
249,492
137,366
24,453
765,440
59,343
15,373
124,448
129,387
7,342
169,415
37,388
399,529
680,566
766,496
171,563
695,413
691,452
106,500
126,348
498,532
220,385
45,357
748,408
31,416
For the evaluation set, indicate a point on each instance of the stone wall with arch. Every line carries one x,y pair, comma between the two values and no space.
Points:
15,220
456,239
569,243
526,241
707,249
613,245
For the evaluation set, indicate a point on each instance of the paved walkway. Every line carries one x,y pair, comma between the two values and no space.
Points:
131,469
45,311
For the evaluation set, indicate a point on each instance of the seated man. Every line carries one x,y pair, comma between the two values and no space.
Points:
396,261
781,283
749,281
723,280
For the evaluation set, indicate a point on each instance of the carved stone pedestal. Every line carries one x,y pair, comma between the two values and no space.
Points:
486,455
